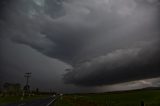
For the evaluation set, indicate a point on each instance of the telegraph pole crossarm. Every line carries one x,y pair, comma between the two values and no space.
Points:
27,87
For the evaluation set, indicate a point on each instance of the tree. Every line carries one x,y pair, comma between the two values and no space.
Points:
11,88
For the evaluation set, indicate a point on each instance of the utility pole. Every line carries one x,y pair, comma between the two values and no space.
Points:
27,87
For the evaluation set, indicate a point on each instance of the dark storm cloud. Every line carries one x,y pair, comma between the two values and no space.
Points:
122,63
105,41
117,67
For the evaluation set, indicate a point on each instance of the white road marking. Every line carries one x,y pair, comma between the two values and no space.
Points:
51,102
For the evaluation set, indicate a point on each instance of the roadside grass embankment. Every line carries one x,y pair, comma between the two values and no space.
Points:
18,99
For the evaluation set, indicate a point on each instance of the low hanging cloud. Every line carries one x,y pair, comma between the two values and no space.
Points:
116,67
105,41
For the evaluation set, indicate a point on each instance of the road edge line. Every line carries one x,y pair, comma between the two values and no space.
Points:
51,102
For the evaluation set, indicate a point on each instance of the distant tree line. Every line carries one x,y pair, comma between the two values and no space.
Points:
11,89
15,89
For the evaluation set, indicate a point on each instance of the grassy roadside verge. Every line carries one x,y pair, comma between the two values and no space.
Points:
17,99
131,98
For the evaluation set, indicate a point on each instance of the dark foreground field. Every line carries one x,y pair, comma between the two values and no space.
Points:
17,99
130,98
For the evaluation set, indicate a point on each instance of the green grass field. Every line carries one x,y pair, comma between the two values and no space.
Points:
130,98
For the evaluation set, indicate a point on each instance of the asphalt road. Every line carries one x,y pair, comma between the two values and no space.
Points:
40,102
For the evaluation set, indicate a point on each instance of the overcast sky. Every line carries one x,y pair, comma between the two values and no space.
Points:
80,45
